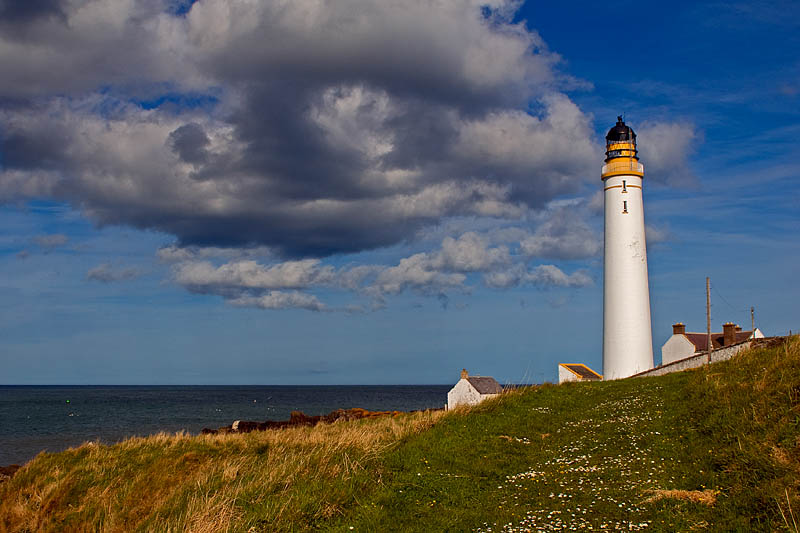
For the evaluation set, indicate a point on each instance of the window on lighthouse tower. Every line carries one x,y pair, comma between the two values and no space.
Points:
625,207
624,186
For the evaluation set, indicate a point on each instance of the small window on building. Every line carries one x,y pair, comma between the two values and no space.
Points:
624,186
625,207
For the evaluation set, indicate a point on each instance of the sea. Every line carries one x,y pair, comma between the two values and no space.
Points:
54,418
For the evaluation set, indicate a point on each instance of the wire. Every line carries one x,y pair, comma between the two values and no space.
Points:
738,310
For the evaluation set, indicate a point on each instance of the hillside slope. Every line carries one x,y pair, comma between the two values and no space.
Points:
715,449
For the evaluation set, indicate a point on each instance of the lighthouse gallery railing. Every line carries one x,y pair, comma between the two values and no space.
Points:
621,166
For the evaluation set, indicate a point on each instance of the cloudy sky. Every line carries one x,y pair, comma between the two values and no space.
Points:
307,191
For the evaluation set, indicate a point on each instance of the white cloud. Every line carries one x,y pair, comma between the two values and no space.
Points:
416,272
542,276
443,269
563,234
203,276
665,149
174,253
550,275
596,203
280,300
106,273
433,273
469,253
655,235
507,278
355,277
50,242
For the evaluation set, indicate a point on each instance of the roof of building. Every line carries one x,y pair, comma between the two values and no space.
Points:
582,371
700,340
621,132
485,384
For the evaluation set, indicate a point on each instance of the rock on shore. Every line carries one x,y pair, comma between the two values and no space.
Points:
297,418
7,472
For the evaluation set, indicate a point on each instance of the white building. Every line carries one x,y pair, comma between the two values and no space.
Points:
576,372
471,390
627,336
683,344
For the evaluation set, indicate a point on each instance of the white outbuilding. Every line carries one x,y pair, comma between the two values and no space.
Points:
683,344
471,390
576,372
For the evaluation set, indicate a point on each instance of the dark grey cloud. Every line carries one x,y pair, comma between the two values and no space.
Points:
24,11
22,149
190,143
337,127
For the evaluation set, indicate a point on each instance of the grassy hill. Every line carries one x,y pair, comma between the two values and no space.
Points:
712,449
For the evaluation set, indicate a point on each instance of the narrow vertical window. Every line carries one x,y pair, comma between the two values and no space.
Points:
624,186
625,206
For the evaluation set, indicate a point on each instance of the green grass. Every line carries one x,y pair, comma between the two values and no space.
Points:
630,454
579,454
589,456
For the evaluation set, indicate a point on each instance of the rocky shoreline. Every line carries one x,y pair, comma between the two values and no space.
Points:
296,419
7,472
299,419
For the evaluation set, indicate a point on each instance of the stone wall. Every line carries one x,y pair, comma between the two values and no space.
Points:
695,361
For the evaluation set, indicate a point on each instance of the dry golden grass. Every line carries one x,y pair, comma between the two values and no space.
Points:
706,497
262,481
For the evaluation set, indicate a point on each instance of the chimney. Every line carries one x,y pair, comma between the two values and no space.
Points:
679,329
728,333
464,373
738,328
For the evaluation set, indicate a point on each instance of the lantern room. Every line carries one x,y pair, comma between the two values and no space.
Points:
621,154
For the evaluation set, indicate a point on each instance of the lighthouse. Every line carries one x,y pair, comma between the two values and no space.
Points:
627,337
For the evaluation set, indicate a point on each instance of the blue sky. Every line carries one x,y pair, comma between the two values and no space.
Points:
218,193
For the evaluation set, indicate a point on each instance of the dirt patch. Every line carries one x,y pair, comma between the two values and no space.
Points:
706,497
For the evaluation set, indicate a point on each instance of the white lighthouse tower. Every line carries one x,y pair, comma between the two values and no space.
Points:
627,337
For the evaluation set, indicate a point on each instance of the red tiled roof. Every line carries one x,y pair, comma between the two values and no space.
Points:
700,340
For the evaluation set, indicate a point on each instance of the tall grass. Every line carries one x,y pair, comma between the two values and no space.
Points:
286,480
716,448
749,409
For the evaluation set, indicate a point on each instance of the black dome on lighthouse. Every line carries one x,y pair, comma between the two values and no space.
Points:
621,132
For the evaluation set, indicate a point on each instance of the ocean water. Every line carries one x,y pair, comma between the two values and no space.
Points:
53,418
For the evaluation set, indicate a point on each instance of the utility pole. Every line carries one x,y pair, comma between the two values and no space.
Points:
708,320
753,320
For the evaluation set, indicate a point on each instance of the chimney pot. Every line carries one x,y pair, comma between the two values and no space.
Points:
679,329
728,333
464,373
